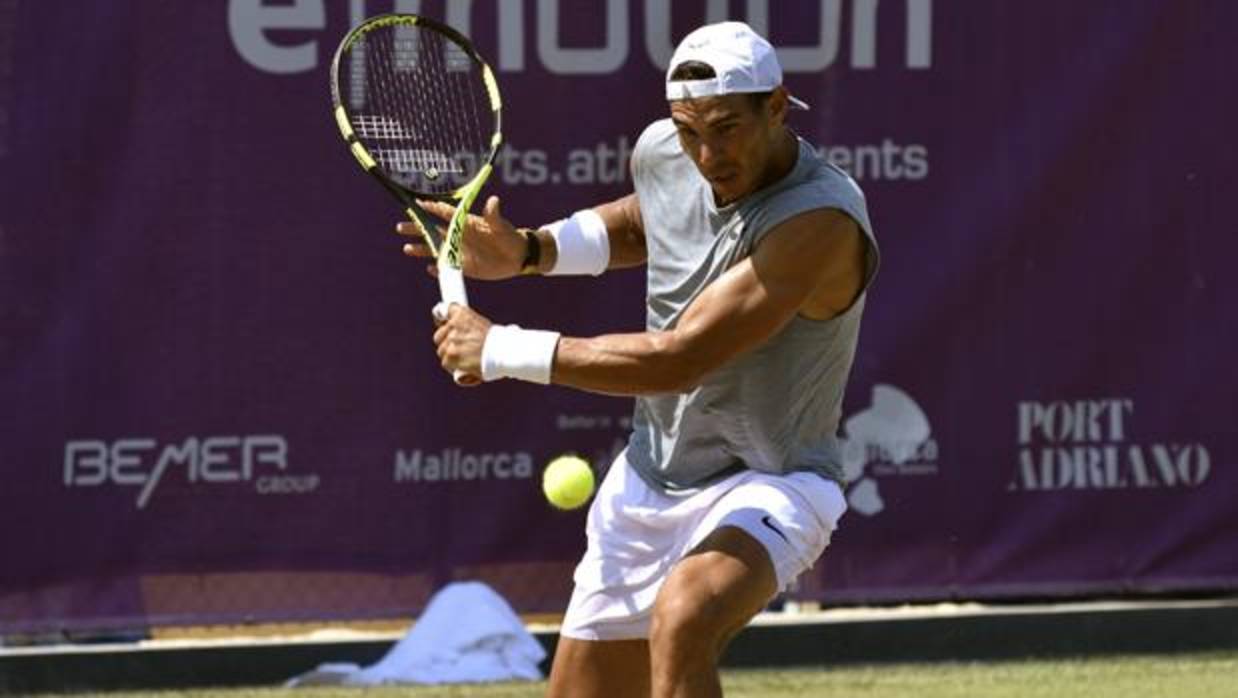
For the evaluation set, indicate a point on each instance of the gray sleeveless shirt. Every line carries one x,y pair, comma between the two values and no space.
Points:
776,408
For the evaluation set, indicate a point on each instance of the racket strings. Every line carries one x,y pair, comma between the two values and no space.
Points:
426,116
451,88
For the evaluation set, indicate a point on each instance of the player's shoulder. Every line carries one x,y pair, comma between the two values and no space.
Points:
660,131
822,173
815,188
821,180
657,145
659,139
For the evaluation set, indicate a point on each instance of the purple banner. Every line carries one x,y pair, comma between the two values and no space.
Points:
221,402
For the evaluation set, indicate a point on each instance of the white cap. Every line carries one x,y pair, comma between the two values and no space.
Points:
743,61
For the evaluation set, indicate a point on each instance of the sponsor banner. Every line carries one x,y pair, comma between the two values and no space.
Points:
216,371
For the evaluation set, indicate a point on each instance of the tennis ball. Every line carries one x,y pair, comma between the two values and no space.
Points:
567,481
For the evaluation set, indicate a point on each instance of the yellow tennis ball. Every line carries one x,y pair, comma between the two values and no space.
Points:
567,481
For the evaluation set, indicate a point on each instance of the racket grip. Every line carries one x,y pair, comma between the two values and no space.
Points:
451,288
451,285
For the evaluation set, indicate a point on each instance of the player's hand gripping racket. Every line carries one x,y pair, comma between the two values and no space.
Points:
419,108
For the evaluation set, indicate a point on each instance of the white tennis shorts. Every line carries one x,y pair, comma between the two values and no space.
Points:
636,535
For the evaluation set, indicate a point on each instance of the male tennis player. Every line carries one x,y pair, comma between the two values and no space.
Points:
758,255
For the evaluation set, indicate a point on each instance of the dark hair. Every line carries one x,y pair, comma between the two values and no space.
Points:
696,70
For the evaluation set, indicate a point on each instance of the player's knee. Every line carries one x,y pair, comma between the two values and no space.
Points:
688,615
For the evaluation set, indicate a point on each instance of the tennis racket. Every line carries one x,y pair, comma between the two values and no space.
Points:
420,110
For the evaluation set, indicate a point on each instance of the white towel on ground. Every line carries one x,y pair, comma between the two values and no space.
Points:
467,633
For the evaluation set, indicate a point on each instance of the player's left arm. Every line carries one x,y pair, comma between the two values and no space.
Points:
811,264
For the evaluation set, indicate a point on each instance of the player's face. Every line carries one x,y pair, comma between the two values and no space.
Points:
731,139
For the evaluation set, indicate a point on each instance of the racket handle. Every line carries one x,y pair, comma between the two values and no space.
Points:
451,285
451,288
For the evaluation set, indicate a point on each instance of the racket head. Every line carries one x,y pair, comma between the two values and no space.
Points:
418,106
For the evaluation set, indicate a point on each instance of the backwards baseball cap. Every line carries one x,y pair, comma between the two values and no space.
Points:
743,62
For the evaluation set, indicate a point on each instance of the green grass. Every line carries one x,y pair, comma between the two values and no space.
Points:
1204,675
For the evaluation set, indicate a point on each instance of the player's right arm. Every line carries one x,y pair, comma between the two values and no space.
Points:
496,249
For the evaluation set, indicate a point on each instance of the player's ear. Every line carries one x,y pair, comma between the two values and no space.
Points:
777,105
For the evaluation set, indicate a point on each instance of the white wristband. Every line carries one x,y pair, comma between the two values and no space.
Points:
582,244
512,352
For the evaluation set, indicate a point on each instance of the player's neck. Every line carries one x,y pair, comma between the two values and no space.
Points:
780,165
786,153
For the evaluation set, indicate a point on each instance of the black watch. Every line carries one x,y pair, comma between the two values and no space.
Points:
532,254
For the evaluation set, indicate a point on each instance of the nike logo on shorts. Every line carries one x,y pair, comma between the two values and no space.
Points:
769,523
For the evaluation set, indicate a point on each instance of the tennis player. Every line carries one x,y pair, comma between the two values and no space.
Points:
758,254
